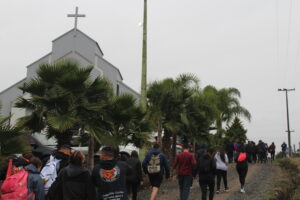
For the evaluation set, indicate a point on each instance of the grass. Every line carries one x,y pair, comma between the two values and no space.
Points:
287,186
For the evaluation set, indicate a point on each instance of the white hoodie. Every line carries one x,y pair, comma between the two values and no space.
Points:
219,162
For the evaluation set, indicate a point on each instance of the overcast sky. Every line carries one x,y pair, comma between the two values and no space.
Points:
252,45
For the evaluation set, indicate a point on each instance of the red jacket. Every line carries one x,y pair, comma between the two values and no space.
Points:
184,163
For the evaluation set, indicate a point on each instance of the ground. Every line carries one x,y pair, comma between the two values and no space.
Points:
258,182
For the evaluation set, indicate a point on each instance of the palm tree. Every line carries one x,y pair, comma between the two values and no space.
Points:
199,116
125,123
166,107
227,103
63,100
10,143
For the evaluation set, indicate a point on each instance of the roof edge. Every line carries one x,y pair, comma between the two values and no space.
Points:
24,79
113,67
48,54
73,29
124,84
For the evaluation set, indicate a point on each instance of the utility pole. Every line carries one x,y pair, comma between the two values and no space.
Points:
143,100
288,117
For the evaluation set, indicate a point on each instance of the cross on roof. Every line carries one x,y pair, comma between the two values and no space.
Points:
76,15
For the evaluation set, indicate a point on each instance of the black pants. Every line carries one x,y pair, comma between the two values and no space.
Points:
242,171
254,157
272,155
221,174
210,183
132,188
230,156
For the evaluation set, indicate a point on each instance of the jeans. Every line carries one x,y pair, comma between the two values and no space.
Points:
221,174
185,183
210,183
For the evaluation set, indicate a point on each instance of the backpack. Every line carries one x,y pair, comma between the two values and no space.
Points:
49,172
154,164
15,187
242,157
205,166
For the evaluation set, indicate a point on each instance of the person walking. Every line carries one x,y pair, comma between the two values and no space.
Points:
206,168
156,166
242,167
183,170
272,148
284,149
73,181
136,178
34,181
109,176
221,169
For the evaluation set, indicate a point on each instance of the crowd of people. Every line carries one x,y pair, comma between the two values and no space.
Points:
63,175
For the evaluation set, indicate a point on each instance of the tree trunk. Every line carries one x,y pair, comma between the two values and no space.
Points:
166,146
159,134
174,147
90,160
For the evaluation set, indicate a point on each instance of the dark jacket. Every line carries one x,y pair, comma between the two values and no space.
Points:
35,183
109,178
201,151
209,163
164,166
243,164
72,183
136,166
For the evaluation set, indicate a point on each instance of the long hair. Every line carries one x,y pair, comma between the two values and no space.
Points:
77,158
222,155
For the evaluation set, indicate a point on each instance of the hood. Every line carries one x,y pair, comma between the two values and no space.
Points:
31,168
74,170
60,155
206,157
107,164
155,151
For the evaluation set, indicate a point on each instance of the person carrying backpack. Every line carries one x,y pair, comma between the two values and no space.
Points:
183,167
242,167
56,162
73,182
206,168
221,169
136,178
272,148
109,176
156,165
25,184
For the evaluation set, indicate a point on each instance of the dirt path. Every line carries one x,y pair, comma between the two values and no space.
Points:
258,182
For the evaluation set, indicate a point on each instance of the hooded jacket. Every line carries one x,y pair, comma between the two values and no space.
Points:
164,166
206,162
136,175
35,183
109,177
76,183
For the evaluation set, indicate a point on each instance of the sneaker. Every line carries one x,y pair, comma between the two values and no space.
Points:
217,192
242,190
226,190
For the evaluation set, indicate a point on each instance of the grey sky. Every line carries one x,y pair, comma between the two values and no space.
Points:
230,43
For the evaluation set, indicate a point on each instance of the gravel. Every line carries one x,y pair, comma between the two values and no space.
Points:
259,180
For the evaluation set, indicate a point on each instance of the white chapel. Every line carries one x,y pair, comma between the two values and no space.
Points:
75,45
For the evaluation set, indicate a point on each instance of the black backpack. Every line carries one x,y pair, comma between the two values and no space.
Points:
204,166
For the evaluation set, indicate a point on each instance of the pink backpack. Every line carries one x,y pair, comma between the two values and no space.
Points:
242,157
15,187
